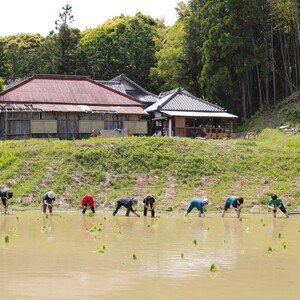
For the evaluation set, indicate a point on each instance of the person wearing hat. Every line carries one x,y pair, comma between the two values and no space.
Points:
199,204
276,203
87,200
128,203
48,198
5,195
234,202
149,205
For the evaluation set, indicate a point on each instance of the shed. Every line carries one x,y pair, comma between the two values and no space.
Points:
66,107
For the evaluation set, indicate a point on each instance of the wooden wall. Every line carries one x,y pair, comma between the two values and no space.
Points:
23,125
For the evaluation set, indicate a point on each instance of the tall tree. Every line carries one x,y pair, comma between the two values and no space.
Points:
3,67
175,62
65,43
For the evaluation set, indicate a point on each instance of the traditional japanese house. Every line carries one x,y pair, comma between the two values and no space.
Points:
179,113
66,107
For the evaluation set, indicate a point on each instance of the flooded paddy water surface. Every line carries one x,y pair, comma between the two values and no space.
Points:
71,256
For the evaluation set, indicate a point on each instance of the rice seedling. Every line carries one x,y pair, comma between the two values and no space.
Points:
195,242
182,255
101,249
213,268
6,238
279,235
134,257
284,245
270,249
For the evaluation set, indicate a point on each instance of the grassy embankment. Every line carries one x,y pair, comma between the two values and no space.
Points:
173,170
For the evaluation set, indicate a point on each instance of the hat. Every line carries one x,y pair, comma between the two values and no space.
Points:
51,195
205,201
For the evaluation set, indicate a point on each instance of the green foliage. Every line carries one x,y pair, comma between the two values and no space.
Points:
174,170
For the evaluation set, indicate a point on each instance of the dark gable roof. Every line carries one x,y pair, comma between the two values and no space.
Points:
137,92
182,100
65,89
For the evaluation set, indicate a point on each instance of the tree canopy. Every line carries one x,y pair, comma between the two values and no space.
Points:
243,55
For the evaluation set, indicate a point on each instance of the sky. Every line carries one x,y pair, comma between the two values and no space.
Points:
38,16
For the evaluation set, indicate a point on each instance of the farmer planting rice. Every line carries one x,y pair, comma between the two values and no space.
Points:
149,205
234,202
128,203
5,195
276,203
199,204
87,200
48,198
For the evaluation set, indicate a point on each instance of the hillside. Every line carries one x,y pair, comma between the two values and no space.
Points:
286,112
173,170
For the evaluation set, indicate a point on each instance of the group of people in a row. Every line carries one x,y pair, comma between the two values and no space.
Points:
234,202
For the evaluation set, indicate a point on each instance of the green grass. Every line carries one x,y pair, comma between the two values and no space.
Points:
173,170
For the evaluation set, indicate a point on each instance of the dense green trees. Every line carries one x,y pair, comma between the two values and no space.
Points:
241,54
121,45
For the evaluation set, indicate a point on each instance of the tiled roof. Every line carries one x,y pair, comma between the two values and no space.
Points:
113,84
138,92
64,89
182,100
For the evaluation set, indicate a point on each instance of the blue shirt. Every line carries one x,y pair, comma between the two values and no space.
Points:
197,202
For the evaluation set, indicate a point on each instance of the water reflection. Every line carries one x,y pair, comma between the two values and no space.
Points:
167,256
48,227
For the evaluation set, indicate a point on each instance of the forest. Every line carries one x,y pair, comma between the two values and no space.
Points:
243,55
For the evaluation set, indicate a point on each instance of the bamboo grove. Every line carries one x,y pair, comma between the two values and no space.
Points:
241,54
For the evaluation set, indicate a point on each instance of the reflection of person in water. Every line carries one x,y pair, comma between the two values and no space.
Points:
48,227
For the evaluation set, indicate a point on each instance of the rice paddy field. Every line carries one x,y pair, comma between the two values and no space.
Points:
71,256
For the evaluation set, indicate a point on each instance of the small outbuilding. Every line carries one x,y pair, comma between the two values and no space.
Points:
66,107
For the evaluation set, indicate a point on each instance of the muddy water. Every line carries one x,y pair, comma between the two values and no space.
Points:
70,256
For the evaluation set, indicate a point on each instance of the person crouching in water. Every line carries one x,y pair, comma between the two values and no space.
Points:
234,202
48,198
88,200
128,203
5,195
149,204
199,204
276,203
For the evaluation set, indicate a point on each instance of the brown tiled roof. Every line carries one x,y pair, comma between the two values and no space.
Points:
65,89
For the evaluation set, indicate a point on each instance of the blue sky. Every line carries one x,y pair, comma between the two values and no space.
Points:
38,16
